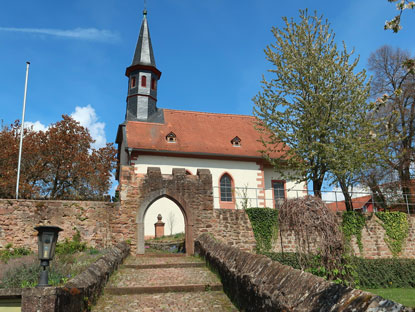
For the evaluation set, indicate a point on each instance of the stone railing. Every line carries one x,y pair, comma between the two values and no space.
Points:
256,283
76,295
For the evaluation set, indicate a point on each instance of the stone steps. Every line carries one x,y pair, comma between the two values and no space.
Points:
163,282
163,265
162,289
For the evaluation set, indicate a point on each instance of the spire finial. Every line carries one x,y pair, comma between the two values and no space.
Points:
145,8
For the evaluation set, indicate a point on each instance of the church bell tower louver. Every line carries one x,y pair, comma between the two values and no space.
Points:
143,77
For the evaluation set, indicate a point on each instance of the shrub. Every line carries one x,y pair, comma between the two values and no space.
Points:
10,252
371,273
385,273
346,273
71,246
27,275
286,258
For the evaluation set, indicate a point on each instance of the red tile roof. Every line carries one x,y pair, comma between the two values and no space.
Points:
198,133
357,203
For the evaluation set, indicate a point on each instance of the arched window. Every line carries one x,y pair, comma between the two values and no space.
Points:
153,84
226,188
144,81
133,82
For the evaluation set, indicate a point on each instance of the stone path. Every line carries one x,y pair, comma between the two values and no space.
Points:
163,283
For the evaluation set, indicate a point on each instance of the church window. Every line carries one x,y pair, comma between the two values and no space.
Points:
153,84
278,188
144,81
236,141
171,137
133,82
226,188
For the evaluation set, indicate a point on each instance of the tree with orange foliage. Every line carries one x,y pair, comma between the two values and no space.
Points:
58,163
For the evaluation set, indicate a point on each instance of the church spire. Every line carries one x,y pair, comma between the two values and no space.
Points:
144,54
143,76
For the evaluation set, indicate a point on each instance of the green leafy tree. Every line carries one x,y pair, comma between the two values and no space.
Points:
314,107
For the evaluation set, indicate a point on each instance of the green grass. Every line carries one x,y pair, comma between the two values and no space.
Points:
405,296
168,238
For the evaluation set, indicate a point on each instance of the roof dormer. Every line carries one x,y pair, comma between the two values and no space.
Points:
236,141
171,137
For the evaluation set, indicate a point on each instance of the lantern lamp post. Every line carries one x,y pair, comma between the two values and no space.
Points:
47,238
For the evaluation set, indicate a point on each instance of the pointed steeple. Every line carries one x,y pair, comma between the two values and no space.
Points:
144,54
143,76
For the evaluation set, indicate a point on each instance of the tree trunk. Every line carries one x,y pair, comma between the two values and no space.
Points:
378,197
405,179
317,185
346,194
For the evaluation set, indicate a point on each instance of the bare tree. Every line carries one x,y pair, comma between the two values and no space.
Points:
171,221
394,87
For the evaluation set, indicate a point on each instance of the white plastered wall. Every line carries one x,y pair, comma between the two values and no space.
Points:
243,173
292,188
245,177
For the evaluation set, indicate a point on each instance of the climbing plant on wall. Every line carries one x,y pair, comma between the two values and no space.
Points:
264,223
396,226
352,225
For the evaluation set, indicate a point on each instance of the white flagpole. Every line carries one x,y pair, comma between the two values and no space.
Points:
21,131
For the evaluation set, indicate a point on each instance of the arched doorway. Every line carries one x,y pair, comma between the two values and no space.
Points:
181,204
171,215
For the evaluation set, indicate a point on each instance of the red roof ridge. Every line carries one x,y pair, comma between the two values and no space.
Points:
208,113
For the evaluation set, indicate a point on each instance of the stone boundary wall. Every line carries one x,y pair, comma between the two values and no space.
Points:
234,228
373,240
76,295
102,224
256,283
19,217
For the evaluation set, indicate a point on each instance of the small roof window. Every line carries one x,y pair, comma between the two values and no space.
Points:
171,137
236,141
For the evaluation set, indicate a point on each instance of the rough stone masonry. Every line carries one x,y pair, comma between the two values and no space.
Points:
103,224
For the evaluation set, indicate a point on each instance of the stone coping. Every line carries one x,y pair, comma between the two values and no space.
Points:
12,200
256,283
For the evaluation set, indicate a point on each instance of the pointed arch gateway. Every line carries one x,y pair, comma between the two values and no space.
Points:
180,202
191,193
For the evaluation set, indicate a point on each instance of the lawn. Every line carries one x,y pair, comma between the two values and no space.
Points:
168,238
405,296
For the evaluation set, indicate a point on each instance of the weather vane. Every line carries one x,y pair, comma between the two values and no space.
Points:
145,7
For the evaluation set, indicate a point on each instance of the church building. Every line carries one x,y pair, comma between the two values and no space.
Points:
228,145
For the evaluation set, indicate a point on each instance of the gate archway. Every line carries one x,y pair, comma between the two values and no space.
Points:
191,193
187,215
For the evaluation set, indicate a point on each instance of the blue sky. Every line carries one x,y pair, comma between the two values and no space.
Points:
210,52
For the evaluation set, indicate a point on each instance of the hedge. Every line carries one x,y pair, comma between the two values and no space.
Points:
372,273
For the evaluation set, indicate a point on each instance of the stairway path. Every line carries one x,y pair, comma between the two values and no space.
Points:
165,283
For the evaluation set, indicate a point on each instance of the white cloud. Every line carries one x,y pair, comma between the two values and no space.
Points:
37,125
87,117
77,33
